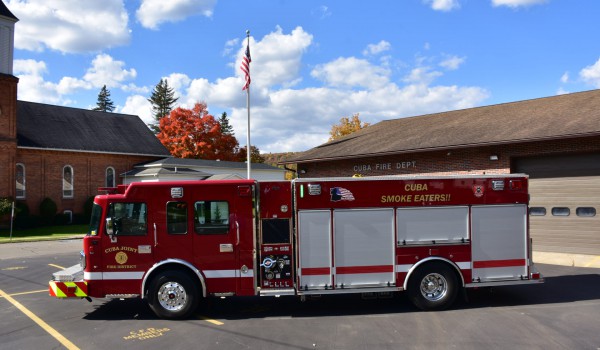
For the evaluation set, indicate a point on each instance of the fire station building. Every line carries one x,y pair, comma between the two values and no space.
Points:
555,140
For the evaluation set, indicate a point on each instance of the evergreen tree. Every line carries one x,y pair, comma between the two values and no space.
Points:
226,128
104,103
162,100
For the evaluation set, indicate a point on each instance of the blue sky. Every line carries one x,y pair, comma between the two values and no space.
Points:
313,62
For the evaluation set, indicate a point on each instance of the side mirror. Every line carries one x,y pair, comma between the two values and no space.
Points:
110,230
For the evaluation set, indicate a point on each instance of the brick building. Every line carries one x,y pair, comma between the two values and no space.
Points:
555,140
58,152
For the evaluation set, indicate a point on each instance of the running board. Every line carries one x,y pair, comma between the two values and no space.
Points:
277,292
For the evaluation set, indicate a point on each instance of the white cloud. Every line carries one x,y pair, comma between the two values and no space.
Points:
276,59
452,62
32,86
591,74
374,49
151,13
106,71
71,26
564,78
351,72
30,67
140,106
517,3
422,76
443,5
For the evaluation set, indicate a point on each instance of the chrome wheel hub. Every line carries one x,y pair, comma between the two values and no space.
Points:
434,287
172,296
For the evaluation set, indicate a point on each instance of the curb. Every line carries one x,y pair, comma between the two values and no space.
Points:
565,259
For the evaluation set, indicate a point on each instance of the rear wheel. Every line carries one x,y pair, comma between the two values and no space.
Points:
173,295
433,286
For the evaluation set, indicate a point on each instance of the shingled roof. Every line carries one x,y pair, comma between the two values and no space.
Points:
71,129
557,117
4,11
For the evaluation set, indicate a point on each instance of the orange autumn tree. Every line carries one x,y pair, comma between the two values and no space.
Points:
346,127
194,133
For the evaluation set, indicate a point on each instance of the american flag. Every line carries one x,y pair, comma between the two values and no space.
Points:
341,194
245,67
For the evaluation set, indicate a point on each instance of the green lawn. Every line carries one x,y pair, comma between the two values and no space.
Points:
43,233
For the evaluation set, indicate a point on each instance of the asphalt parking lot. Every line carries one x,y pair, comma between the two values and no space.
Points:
559,314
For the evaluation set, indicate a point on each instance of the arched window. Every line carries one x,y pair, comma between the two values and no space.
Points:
110,177
67,181
20,181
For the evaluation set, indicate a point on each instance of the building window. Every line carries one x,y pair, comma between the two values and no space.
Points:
586,211
110,177
561,211
68,216
20,181
67,181
537,211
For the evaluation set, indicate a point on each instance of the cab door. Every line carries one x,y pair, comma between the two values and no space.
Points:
127,247
223,236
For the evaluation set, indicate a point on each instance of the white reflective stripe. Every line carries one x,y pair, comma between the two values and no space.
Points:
466,265
91,276
403,268
128,275
227,273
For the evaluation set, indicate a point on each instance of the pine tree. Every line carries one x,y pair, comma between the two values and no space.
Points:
226,128
104,103
162,100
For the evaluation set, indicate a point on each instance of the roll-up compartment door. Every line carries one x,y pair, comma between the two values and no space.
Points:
314,249
499,242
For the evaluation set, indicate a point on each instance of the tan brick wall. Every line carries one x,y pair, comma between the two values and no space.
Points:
474,160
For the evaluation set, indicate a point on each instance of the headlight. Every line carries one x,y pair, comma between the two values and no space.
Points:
82,260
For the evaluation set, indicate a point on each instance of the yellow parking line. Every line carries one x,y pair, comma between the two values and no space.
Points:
592,262
210,320
23,293
57,266
61,339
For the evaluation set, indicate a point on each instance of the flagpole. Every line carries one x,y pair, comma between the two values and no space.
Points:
248,150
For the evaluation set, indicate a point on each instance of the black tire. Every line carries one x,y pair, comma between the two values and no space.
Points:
173,295
433,286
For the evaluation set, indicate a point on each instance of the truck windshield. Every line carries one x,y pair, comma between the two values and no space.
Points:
95,220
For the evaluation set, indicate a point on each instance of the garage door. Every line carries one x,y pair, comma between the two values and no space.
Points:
565,202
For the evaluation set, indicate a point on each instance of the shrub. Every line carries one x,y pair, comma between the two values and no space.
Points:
48,210
5,205
62,219
87,207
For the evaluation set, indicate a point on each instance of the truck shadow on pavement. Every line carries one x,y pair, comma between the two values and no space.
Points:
556,289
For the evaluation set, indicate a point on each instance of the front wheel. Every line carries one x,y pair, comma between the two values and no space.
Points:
173,295
433,287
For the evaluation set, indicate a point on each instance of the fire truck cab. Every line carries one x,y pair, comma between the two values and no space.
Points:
174,243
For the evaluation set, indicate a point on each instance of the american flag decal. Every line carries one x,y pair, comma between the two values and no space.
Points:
341,194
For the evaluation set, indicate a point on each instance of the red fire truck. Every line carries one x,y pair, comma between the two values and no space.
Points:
174,243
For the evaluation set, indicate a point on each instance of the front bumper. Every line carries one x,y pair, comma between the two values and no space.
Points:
68,283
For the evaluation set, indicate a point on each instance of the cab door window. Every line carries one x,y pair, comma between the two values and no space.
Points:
177,217
211,217
129,219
